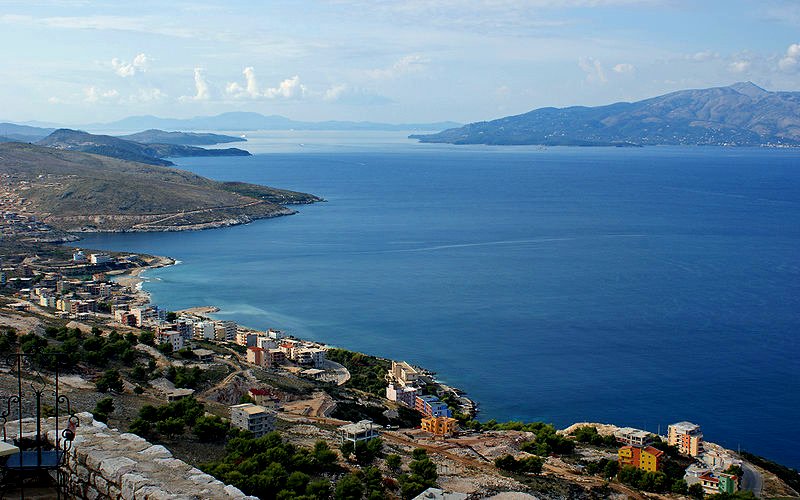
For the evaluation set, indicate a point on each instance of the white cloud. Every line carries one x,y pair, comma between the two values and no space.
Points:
54,100
739,66
123,69
624,68
407,64
593,69
201,88
291,88
791,61
703,56
94,94
250,88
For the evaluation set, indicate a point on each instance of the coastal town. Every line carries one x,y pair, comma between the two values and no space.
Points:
411,409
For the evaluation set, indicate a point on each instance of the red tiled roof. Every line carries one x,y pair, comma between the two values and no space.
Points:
653,451
258,349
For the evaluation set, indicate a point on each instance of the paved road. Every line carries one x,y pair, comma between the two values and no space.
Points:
751,479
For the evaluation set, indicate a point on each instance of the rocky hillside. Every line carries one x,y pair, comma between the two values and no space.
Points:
742,114
106,145
84,192
155,136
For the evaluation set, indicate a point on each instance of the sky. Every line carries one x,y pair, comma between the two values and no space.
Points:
79,62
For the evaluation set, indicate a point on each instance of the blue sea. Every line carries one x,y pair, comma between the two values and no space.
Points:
635,286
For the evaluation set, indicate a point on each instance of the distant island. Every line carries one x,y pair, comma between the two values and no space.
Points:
742,114
155,136
115,147
72,192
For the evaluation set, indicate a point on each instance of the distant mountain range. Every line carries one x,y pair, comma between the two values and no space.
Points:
246,121
106,145
742,114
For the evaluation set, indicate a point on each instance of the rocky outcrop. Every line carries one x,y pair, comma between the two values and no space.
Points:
106,464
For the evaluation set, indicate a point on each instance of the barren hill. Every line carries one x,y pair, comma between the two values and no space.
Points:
86,192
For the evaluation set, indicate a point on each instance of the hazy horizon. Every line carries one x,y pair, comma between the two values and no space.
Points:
76,61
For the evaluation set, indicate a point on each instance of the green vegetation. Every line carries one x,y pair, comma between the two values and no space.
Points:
109,381
270,468
364,452
604,467
367,373
643,480
423,475
696,491
172,419
589,435
103,409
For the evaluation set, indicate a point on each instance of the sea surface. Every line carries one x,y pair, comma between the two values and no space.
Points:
635,286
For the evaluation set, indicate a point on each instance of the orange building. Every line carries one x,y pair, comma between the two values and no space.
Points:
647,458
440,426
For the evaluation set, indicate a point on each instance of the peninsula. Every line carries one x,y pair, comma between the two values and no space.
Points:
67,191
150,153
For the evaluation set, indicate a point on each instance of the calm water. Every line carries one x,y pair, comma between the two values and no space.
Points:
633,286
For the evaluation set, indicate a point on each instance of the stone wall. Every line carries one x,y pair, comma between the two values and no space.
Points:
106,464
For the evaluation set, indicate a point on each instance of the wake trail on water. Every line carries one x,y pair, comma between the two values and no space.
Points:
503,242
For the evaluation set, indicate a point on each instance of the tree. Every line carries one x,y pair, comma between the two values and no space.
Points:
319,488
147,338
170,427
103,409
393,461
324,458
680,487
110,380
210,429
611,469
347,448
696,491
140,427
297,482
349,488
419,454
165,348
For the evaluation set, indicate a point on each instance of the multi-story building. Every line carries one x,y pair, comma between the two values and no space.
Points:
204,330
404,395
403,374
185,327
99,258
276,357
265,342
647,458
719,482
253,418
687,437
228,331
632,437
440,426
247,339
309,356
359,431
432,407
255,355
171,337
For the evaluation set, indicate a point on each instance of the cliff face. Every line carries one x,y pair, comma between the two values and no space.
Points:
742,114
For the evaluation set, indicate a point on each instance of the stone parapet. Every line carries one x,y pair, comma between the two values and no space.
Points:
106,464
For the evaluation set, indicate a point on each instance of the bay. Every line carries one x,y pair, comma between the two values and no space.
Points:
635,286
